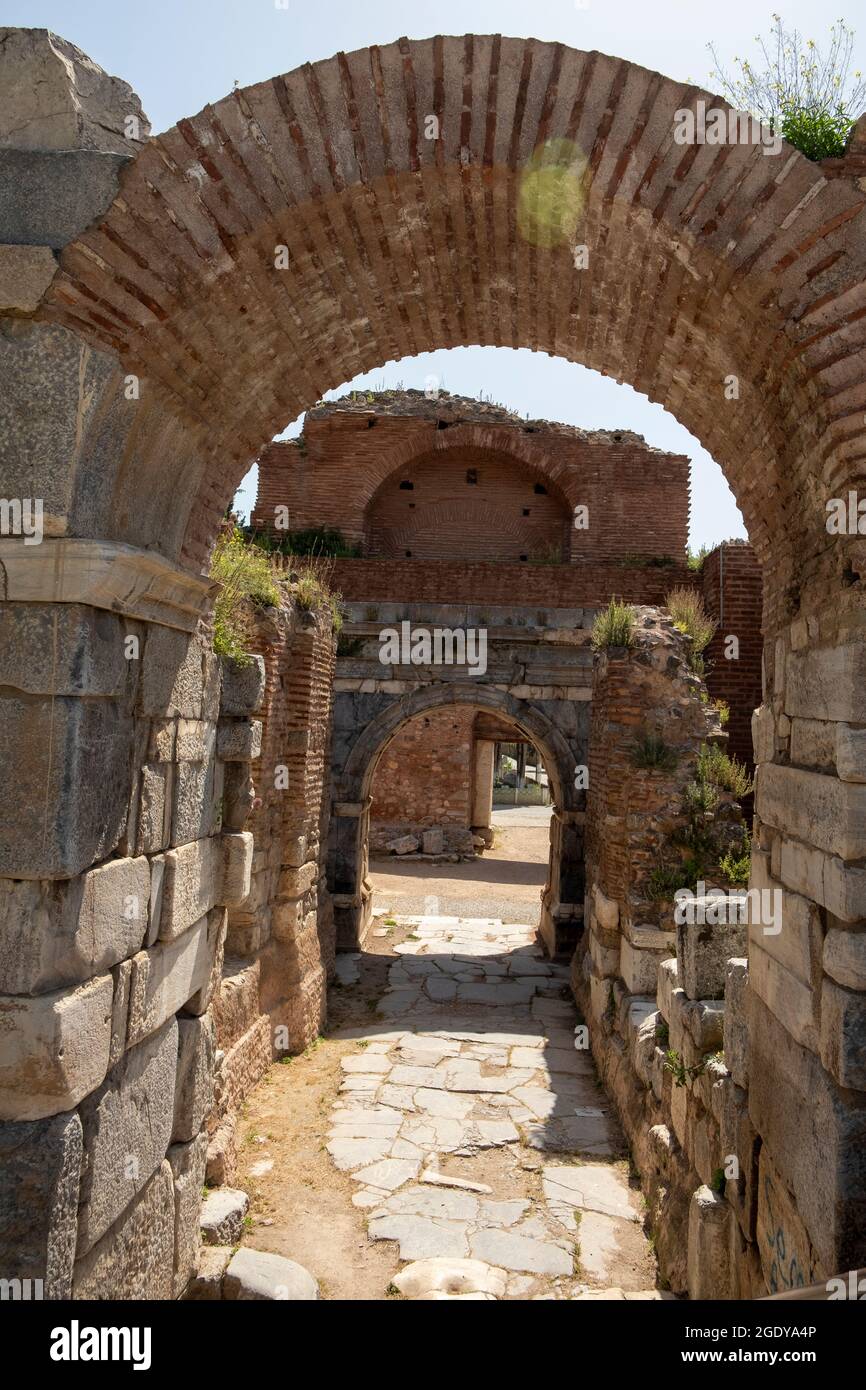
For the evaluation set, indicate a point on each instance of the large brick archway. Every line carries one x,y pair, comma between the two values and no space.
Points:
144,372
351,798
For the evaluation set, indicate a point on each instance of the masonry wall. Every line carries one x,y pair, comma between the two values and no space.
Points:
732,589
112,930
346,471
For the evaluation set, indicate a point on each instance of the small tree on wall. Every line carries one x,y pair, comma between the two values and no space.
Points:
805,93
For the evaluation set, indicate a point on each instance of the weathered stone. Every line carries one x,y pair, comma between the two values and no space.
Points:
638,967
243,686
167,976
736,1028
25,274
222,1216
188,1169
257,1274
172,674
606,909
843,1034
590,1187
703,952
844,957
792,934
405,844
54,934
62,818
127,1128
206,1284
782,1239
194,804
709,1272
133,1260
191,885
40,1164
801,1113
823,811
789,999
454,1277
53,97
55,1048
433,840
823,877
239,740
193,1095
827,683
237,860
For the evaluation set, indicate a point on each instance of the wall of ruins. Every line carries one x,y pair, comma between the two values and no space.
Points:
732,590
758,1020
280,941
345,473
113,910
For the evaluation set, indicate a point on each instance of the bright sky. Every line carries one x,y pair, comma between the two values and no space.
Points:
180,54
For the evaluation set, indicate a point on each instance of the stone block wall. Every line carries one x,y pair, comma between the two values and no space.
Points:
113,910
733,1046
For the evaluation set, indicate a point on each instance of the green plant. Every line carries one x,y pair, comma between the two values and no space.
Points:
349,646
736,867
718,1180
695,558
723,710
809,97
718,768
681,1072
650,751
686,607
312,593
700,799
614,626
663,1033
663,882
246,577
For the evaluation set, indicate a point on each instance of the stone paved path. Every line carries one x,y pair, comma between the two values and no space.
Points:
478,1136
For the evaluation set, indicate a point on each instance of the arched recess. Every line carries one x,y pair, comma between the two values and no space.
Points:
481,520
562,900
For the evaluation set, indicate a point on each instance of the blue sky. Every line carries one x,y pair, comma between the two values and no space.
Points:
181,54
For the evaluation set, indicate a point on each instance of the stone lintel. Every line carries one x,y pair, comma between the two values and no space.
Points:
105,574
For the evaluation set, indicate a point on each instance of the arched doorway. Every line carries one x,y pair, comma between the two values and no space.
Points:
562,897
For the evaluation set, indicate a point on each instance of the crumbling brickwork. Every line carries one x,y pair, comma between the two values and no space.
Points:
733,594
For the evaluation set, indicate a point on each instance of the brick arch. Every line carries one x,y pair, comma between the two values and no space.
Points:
703,262
359,767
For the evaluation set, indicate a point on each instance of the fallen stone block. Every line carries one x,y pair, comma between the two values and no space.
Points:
206,1283
222,1216
452,1277
406,844
257,1274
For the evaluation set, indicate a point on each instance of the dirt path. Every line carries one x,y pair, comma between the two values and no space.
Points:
446,1134
505,882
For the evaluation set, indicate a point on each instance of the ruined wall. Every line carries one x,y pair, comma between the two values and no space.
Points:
729,1046
355,452
732,590
546,587
112,925
280,942
424,776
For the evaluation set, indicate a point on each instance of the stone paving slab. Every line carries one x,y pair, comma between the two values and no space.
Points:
483,1062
